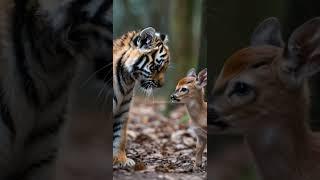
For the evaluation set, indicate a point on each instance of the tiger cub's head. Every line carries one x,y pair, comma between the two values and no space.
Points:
153,58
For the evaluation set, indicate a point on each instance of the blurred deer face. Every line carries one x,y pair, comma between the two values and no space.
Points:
244,86
263,83
190,87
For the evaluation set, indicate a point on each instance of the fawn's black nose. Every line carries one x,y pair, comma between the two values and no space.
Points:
174,98
215,119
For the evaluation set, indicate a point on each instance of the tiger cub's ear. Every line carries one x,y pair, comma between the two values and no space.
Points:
145,38
164,38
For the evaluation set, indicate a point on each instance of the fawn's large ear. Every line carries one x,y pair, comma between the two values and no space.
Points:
301,58
145,37
202,78
267,33
192,73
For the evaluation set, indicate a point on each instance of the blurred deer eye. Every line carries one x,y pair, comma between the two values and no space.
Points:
184,90
241,89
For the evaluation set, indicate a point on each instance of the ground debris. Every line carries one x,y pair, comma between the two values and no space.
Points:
161,144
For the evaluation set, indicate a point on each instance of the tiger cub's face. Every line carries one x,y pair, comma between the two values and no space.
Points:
149,69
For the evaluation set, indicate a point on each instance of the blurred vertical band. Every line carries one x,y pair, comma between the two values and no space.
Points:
229,25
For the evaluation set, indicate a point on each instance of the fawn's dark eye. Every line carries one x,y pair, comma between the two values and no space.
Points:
241,89
184,90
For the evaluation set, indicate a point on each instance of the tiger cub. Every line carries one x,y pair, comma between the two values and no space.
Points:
139,58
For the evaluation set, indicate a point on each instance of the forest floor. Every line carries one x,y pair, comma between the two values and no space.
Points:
161,144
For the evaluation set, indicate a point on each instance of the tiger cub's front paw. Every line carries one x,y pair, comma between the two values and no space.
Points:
129,163
121,161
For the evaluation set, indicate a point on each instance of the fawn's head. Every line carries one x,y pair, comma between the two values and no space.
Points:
266,82
190,87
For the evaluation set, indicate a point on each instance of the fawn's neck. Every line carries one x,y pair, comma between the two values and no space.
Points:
282,151
197,109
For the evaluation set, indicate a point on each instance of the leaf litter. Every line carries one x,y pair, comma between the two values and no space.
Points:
161,144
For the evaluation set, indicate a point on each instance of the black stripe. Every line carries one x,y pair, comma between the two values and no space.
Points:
18,27
145,62
77,16
33,167
153,55
134,39
119,67
40,134
75,13
117,123
137,63
115,136
116,129
103,8
161,49
127,101
158,43
120,114
99,16
57,93
163,55
30,21
48,45
115,99
129,90
146,72
6,117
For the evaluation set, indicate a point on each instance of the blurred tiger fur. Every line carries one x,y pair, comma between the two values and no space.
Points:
139,58
44,46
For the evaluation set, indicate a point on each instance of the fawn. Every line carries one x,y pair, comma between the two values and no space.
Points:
263,93
190,90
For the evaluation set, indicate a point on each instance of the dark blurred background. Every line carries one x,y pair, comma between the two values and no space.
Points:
229,26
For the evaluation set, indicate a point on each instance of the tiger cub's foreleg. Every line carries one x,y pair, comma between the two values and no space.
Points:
119,140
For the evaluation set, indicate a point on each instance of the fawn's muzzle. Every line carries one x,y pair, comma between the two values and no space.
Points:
174,98
214,119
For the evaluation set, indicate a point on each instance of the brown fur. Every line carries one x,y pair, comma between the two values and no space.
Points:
197,109
274,114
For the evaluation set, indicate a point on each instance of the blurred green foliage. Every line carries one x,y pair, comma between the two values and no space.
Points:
184,119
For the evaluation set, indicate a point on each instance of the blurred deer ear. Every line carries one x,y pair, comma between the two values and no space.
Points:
267,33
301,58
145,37
202,78
192,73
